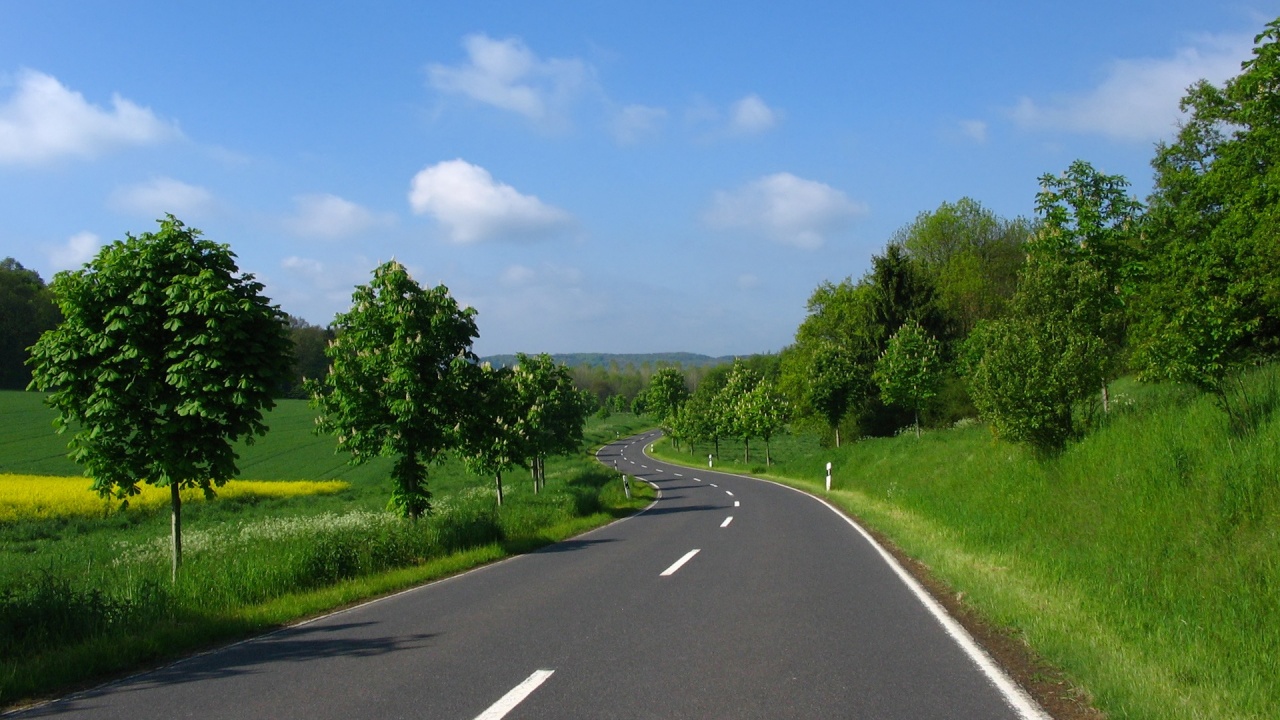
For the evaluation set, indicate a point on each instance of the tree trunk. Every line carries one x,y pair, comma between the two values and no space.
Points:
767,459
717,446
175,498
917,424
1106,398
746,453
498,478
837,436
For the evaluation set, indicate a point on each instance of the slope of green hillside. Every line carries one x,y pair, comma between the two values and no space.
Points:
1144,560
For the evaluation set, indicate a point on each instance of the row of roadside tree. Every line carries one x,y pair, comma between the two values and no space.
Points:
166,355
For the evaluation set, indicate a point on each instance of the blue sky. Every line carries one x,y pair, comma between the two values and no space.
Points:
590,176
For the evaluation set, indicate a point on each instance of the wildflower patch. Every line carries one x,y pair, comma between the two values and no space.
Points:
42,497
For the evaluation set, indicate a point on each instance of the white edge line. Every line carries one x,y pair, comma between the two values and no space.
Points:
515,696
676,565
1014,695
727,521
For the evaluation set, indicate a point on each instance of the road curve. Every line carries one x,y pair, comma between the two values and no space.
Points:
728,598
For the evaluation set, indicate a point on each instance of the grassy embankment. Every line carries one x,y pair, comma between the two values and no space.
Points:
1144,560
84,588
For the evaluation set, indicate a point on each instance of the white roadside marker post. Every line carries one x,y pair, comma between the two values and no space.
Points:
626,486
709,463
828,477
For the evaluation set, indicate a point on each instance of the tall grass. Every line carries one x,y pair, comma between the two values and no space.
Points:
81,596
1144,560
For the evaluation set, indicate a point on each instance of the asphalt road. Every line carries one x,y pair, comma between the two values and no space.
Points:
785,610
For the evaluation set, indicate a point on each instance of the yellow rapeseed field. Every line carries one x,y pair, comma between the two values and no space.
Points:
43,497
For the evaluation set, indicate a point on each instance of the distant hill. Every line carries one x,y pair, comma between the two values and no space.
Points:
622,359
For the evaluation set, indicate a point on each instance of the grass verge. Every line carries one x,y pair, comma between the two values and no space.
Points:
83,599
1143,561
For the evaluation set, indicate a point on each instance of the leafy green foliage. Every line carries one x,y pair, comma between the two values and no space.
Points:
910,369
309,359
552,410
491,441
835,384
666,393
1030,376
763,412
27,309
1212,301
726,407
397,385
972,256
165,355
1063,336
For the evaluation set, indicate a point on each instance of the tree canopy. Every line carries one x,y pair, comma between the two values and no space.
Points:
27,309
397,384
165,356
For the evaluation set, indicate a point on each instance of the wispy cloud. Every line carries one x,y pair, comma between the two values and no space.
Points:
330,217
784,208
1138,99
507,75
474,207
975,130
634,123
751,116
43,120
76,251
162,195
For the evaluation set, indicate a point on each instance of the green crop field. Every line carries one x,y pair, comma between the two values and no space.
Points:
1144,560
84,596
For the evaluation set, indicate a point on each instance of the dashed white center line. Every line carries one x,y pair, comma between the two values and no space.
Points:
727,521
646,467
679,475
515,696
714,485
726,492
736,503
698,479
676,565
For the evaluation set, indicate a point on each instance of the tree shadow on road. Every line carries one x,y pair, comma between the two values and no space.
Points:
306,643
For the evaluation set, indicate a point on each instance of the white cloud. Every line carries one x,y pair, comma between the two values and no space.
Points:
509,76
306,267
635,122
162,195
331,217
784,208
43,120
516,275
1138,99
78,250
975,130
751,116
474,207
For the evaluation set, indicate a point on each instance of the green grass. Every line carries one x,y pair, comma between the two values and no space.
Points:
1144,560
83,598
